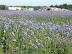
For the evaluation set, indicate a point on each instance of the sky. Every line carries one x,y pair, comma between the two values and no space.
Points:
34,2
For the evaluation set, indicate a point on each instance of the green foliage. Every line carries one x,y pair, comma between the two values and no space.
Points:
53,46
49,48
65,6
2,7
51,6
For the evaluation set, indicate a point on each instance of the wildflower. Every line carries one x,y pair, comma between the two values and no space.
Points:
45,42
36,47
55,42
16,48
29,40
27,29
3,38
2,46
25,33
50,29
12,49
12,33
24,46
59,48
32,44
14,30
70,34
14,40
70,47
21,51
20,39
40,41
48,38
30,22
23,38
36,40
32,33
42,28
40,45
48,46
9,45
19,26
4,31
18,22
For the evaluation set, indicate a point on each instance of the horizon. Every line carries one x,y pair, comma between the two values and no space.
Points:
29,5
34,2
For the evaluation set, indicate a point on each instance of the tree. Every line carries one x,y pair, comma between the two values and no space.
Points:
65,6
2,7
51,6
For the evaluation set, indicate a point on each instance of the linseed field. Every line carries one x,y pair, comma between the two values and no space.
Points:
35,32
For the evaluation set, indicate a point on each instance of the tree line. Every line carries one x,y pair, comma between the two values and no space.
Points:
2,7
65,6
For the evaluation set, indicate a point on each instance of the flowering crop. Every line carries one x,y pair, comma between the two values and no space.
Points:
35,32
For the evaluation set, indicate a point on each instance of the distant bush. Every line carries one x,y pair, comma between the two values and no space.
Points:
2,7
65,6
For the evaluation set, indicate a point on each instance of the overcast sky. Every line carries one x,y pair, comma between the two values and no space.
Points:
34,2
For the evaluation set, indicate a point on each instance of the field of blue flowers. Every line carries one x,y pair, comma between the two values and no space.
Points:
35,32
